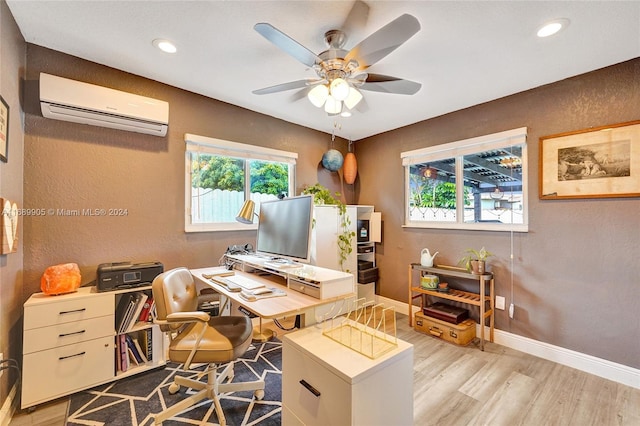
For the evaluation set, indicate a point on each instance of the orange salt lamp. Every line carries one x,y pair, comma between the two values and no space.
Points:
60,279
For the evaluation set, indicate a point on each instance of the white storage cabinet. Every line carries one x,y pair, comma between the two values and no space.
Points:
69,344
326,383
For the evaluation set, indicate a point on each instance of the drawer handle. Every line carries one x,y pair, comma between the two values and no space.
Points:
71,334
310,388
72,312
71,356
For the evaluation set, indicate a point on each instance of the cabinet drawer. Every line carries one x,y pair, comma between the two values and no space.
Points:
331,407
38,339
64,309
60,371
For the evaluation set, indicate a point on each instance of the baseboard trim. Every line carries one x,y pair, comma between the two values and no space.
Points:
590,364
9,406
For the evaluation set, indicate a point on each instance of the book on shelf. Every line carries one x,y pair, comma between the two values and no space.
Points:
145,314
129,310
140,300
123,308
139,349
132,358
146,342
134,347
123,355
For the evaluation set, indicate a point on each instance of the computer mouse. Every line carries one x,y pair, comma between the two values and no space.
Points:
262,290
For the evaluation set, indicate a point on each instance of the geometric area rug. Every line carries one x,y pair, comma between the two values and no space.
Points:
132,401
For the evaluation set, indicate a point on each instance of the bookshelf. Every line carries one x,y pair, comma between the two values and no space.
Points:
137,340
71,342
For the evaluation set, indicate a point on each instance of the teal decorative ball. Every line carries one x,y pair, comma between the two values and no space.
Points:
332,160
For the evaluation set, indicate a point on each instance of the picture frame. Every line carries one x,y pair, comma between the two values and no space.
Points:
4,129
601,162
8,227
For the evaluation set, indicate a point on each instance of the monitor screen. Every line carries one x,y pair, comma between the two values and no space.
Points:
284,228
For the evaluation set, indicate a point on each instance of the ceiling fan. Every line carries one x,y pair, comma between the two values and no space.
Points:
341,74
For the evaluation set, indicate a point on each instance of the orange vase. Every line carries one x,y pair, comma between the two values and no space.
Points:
350,168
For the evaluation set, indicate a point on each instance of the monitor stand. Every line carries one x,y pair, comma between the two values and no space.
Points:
282,263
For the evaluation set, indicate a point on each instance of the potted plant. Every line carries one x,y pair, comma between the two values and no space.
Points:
322,196
475,260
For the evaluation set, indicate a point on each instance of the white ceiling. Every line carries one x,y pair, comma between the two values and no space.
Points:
466,52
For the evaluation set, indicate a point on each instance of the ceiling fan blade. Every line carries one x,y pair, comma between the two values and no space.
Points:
384,41
283,87
287,44
357,17
387,84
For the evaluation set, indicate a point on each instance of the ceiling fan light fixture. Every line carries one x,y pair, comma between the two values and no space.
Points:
339,89
353,98
318,95
332,106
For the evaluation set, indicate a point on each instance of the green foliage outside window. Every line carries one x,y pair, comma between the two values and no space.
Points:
227,173
218,173
435,194
269,178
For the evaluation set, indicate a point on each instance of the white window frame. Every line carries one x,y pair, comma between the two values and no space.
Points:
458,150
213,146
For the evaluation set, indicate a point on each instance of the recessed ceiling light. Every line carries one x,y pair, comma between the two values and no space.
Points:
553,27
165,45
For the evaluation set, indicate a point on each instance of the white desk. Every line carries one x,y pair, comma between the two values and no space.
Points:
294,303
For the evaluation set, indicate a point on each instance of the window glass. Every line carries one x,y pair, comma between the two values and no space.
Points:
493,186
492,170
221,175
433,191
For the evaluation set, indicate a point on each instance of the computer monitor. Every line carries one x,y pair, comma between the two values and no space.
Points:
284,229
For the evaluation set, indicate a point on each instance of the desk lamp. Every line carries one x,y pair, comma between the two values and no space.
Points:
245,215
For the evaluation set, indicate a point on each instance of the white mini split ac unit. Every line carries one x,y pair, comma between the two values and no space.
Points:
70,100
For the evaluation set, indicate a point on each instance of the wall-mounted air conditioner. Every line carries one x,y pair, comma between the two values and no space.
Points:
70,100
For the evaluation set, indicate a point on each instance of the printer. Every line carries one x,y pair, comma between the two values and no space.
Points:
121,275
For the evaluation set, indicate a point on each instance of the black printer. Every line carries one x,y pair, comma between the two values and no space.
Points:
120,275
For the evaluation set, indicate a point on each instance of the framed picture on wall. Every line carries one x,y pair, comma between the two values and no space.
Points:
4,129
8,227
594,163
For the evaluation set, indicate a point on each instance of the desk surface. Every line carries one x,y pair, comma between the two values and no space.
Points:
273,307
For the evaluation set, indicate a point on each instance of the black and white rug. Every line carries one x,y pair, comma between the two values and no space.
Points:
133,401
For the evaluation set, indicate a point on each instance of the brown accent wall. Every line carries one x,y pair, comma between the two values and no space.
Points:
12,66
74,166
576,275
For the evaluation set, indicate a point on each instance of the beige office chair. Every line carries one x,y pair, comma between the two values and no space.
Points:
196,337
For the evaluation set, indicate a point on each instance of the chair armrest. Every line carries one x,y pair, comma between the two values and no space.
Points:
188,317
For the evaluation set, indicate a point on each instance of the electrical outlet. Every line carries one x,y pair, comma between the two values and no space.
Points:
500,302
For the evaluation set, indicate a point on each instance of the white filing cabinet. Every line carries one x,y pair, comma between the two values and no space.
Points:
68,344
326,383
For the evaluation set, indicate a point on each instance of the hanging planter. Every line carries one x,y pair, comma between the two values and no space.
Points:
332,160
350,167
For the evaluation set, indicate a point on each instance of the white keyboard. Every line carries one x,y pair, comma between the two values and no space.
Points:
244,282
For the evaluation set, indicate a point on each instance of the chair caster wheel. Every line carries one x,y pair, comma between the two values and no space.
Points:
174,388
259,394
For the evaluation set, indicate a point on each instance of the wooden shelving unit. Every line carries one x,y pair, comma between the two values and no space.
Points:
479,299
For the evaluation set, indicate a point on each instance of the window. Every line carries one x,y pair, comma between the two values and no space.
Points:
221,175
477,183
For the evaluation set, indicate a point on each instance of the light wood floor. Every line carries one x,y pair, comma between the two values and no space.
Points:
464,386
